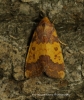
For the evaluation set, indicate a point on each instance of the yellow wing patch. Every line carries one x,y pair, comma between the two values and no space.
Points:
51,50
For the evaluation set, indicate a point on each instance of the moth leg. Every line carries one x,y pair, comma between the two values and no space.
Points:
62,42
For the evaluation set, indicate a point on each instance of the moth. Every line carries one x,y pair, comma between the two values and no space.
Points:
45,53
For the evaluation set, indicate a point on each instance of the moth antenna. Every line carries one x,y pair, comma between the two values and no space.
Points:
42,13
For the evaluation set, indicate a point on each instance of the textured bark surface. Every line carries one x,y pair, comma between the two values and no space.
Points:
18,20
